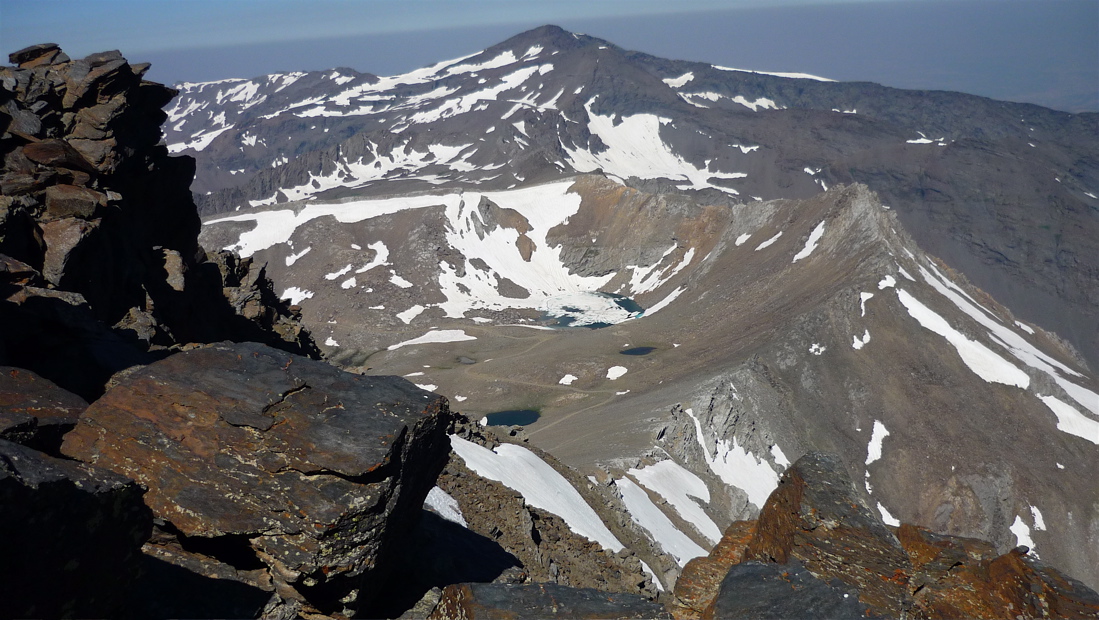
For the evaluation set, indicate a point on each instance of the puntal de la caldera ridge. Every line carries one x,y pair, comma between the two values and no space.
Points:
781,346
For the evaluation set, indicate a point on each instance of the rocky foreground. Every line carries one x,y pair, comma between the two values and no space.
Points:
166,451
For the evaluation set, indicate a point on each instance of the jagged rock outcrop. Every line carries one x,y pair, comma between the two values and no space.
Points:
816,517
35,412
98,231
71,535
271,469
475,601
817,550
547,549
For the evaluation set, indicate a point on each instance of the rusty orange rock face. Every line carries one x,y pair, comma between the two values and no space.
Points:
701,577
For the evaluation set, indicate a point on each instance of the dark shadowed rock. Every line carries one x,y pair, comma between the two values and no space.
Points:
476,601
14,271
34,411
440,553
816,516
308,471
71,533
755,590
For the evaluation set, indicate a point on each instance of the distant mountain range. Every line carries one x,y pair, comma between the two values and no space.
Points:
909,279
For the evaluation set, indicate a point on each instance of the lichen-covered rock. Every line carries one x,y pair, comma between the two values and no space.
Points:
34,411
314,472
817,517
477,601
71,533
955,577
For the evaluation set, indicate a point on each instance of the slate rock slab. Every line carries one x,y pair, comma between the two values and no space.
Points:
71,536
34,411
755,590
320,472
481,601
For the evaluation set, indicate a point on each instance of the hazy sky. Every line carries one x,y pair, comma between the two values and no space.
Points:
1040,51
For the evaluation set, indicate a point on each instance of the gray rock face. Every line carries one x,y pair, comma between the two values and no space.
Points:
755,590
72,536
35,412
475,601
313,473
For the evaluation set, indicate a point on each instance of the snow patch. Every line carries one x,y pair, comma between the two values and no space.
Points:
410,314
811,243
1022,534
442,335
888,518
742,238
877,436
293,258
859,343
768,242
679,81
296,295
568,379
615,372
441,503
863,298
331,342
1071,421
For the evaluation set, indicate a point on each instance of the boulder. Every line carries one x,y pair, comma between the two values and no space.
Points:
72,536
311,472
65,239
756,590
816,516
956,577
64,201
702,577
34,411
476,601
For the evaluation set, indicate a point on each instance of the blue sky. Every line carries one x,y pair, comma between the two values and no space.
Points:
1040,51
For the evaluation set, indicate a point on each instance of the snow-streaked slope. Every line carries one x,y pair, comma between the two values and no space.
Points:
984,362
541,486
738,467
680,488
657,524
